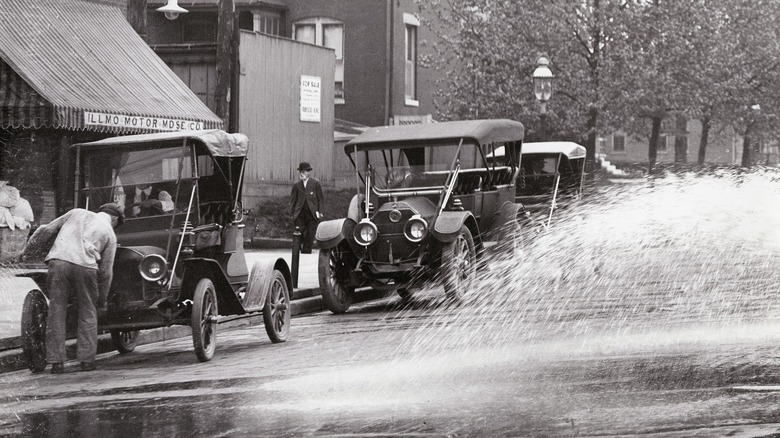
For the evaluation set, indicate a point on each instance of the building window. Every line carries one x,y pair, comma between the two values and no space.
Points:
267,22
327,33
410,57
601,145
664,141
618,143
198,28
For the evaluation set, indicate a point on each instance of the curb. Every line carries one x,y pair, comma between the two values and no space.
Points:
271,243
305,301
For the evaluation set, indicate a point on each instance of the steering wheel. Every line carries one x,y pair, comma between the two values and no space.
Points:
398,178
149,207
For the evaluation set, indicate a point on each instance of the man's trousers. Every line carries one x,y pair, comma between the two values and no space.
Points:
66,280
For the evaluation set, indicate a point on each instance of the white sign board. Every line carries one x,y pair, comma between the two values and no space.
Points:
311,87
154,123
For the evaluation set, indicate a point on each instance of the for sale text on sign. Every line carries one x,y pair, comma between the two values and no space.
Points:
310,98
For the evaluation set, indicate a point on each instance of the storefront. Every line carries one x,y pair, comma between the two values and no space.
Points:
75,71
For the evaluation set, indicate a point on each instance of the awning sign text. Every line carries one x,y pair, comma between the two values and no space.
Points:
310,98
138,122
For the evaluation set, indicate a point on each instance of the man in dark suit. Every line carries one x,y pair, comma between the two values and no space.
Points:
139,200
305,202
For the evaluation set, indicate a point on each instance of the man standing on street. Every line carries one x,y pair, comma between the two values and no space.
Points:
305,202
80,263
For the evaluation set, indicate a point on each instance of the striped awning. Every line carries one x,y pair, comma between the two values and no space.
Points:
79,65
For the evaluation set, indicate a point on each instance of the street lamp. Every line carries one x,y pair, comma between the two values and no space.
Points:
172,10
543,79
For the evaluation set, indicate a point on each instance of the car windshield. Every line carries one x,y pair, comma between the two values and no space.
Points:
146,182
413,166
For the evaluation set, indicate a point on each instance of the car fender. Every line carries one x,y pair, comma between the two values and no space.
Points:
134,254
195,269
259,282
331,232
448,224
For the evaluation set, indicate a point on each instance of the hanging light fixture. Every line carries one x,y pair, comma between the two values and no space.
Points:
172,10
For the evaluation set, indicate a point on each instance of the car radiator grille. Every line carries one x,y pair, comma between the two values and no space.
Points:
391,246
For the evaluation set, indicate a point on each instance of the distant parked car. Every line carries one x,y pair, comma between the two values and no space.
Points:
551,175
429,206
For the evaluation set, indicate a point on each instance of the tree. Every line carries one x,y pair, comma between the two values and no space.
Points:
489,49
628,64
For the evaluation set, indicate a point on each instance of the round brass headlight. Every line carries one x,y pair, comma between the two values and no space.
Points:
416,229
365,232
153,267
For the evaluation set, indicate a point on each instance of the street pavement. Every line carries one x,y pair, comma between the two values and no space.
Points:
305,299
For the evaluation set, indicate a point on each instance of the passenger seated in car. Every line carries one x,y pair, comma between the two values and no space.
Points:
536,180
146,200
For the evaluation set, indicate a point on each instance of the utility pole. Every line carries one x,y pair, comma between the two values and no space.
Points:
136,16
226,31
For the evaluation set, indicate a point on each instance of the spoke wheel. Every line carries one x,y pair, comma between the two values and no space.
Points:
204,320
34,312
333,271
124,341
276,312
458,265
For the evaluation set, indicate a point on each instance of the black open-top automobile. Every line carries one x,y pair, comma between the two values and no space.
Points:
180,258
429,205
551,176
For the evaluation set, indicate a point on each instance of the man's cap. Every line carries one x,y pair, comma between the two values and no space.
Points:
304,166
114,210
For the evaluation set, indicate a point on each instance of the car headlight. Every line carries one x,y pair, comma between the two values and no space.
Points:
153,267
365,232
416,229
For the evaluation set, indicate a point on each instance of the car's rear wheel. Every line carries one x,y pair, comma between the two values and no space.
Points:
34,312
124,341
204,320
276,312
458,265
333,274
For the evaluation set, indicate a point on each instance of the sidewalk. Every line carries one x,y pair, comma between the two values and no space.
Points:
304,299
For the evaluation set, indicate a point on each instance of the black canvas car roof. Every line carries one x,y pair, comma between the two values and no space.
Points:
218,142
480,131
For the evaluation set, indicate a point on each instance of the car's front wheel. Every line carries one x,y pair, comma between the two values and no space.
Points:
276,312
124,341
458,265
204,320
34,312
333,275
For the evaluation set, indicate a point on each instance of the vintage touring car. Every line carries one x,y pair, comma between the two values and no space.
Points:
180,257
551,176
429,205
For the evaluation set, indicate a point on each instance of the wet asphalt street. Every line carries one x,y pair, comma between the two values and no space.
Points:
362,374
653,315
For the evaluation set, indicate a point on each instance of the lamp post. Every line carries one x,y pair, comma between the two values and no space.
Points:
543,78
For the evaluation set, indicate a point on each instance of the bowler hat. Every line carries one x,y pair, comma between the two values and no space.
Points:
114,210
304,166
